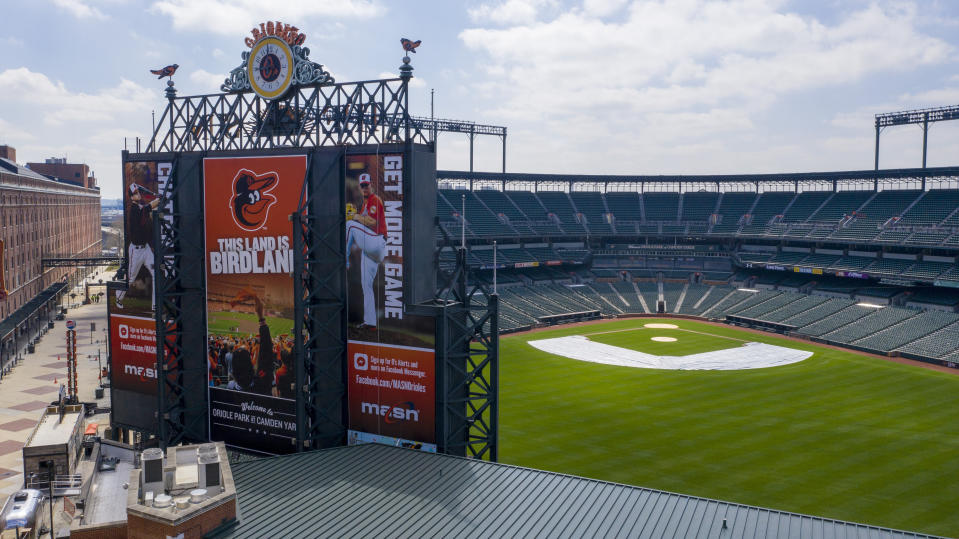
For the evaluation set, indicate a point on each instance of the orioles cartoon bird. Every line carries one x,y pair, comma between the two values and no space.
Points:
167,71
410,46
252,199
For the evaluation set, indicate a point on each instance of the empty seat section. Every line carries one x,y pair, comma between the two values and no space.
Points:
661,206
591,205
481,220
927,270
699,206
819,312
893,266
805,205
774,303
732,208
756,299
558,203
841,204
532,208
928,238
933,208
625,289
938,344
888,204
800,305
701,294
836,320
876,321
499,203
910,330
671,293
624,206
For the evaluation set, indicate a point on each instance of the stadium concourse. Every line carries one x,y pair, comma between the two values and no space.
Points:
863,260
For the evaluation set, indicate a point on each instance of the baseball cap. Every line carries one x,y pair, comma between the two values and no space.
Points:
364,179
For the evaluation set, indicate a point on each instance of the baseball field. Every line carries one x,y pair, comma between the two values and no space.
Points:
837,435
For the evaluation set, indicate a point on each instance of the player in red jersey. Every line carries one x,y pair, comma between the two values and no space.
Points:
366,231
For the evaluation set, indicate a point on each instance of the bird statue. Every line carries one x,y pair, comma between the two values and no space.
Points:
167,71
410,46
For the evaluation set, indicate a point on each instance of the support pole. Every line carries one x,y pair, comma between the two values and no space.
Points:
925,136
504,150
877,144
472,136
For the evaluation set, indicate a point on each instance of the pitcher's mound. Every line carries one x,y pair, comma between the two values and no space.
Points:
661,326
663,339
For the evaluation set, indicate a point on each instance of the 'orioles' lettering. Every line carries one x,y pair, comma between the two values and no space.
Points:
286,32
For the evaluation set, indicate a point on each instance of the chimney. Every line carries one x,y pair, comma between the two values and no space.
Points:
8,152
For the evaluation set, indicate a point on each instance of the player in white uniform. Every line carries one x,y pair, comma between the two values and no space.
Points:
140,229
366,231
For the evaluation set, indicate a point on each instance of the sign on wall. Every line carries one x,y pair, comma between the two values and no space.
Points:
390,353
249,262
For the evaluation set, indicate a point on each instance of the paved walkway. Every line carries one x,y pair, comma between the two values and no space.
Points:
34,383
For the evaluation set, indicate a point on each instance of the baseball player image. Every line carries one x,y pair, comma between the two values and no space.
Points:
140,229
366,232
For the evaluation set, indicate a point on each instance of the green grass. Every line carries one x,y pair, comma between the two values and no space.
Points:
838,435
222,323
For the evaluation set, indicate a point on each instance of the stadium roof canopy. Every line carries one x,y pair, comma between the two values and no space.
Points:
904,178
381,491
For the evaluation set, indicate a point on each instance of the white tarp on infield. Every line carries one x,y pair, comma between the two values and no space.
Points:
751,355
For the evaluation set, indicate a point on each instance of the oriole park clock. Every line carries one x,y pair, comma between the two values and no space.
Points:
270,67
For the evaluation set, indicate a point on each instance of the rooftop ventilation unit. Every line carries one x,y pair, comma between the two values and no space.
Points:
208,469
152,470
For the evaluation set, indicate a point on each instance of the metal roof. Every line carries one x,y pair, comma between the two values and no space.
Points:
375,490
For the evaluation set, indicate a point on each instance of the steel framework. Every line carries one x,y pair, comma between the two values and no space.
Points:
58,262
917,117
353,113
337,115
469,360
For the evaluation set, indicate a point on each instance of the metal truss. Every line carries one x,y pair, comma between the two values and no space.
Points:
469,370
921,117
354,113
319,261
174,422
61,262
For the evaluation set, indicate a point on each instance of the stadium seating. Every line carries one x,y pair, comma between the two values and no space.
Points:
558,203
887,204
804,205
933,208
592,206
671,294
836,320
733,207
625,206
939,344
800,305
907,331
873,322
699,206
892,266
840,205
661,206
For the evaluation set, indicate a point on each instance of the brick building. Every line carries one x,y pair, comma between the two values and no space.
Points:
39,217
75,173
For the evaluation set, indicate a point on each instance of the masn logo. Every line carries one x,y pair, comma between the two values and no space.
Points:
401,411
142,372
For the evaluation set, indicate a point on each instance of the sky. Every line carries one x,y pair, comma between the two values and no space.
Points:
583,86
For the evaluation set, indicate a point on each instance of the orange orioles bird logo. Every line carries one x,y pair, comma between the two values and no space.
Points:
252,199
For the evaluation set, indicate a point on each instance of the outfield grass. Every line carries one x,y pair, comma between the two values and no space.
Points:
838,435
223,322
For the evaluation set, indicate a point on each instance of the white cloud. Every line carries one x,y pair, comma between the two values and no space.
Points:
80,9
510,12
690,72
938,97
229,17
207,82
217,53
87,127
